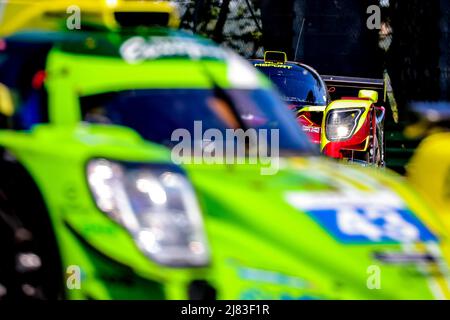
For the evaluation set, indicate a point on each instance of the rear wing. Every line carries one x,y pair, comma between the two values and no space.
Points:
339,87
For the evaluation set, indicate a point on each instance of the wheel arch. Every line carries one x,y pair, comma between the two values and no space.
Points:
16,181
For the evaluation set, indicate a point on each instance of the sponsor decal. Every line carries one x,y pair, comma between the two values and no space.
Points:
361,218
273,65
271,277
138,49
405,257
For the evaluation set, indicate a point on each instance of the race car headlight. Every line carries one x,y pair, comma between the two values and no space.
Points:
158,207
341,124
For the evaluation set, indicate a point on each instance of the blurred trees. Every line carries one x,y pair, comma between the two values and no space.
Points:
236,23
332,36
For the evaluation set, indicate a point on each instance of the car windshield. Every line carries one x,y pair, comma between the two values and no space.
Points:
155,114
298,85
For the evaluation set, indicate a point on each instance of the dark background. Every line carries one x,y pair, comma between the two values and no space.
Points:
335,38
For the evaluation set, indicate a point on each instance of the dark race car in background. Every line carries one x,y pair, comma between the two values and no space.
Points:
337,113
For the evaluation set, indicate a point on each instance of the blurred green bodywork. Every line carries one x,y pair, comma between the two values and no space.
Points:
262,247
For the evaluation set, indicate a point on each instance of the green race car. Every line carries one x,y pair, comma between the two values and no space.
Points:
93,205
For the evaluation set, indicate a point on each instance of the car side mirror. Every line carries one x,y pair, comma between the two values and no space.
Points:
372,95
6,105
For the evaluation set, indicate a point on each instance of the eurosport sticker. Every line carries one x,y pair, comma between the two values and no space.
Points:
360,220
138,49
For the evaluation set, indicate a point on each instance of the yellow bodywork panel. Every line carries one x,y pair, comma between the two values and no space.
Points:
313,109
369,94
275,57
52,15
429,172
6,102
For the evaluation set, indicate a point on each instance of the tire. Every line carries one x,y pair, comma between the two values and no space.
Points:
375,154
30,266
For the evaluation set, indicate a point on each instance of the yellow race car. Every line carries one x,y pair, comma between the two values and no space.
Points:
86,14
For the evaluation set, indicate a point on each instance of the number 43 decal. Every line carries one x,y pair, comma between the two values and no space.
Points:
362,225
